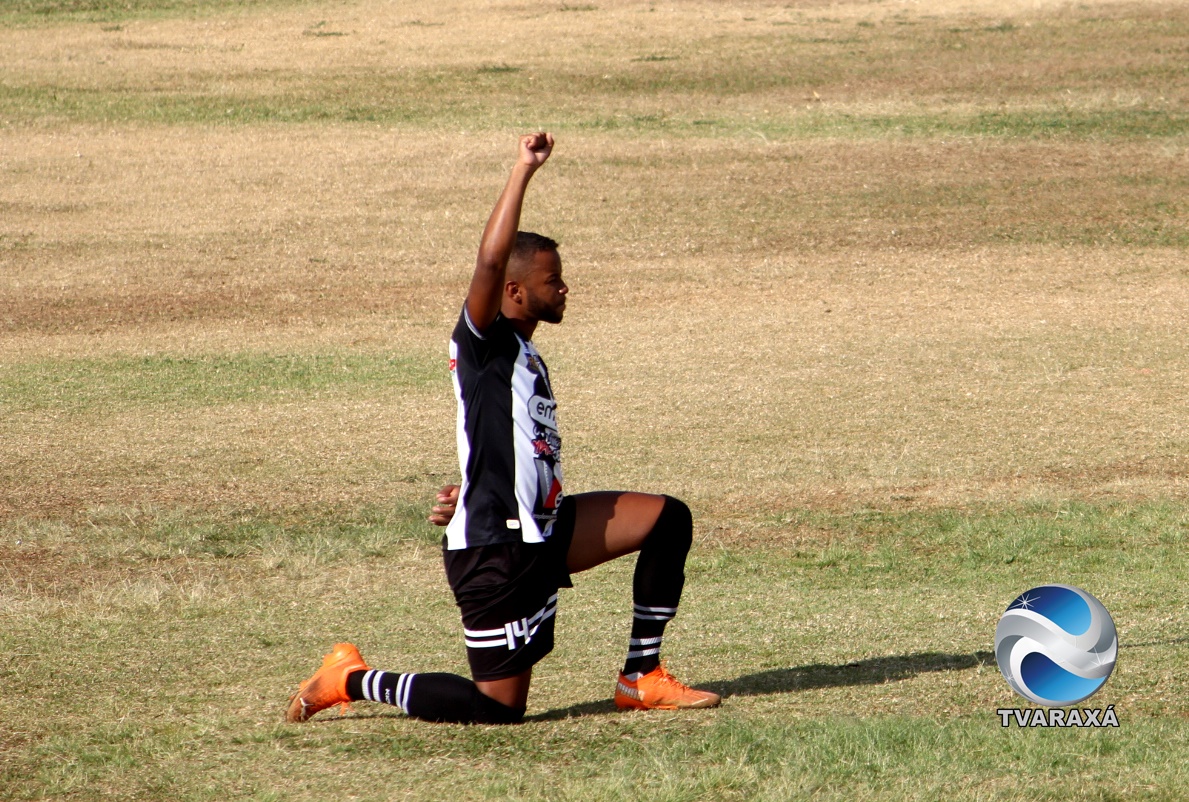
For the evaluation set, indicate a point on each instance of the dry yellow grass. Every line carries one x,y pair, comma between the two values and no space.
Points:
815,350
827,320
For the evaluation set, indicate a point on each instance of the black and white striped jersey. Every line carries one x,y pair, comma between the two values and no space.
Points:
509,449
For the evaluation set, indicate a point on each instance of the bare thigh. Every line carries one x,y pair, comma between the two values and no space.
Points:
610,524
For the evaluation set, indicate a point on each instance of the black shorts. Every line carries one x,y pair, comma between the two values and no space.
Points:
507,593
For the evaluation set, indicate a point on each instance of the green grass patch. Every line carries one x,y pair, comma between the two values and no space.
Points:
439,100
1027,124
731,758
104,385
853,649
46,12
324,535
1094,540
497,69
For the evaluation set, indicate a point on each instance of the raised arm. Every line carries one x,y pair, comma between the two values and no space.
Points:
487,285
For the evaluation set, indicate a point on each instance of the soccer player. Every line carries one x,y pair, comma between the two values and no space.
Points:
512,537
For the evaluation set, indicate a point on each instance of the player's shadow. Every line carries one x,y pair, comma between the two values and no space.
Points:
874,671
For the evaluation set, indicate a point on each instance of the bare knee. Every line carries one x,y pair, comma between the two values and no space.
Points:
674,526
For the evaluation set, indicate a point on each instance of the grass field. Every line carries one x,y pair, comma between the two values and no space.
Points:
893,293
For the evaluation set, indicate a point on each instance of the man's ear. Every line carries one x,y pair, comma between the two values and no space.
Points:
513,290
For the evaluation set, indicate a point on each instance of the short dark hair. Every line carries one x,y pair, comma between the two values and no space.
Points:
527,244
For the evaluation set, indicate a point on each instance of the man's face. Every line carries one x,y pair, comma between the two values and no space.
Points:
544,291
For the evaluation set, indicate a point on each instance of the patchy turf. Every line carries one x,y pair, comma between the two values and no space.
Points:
853,650
894,294
696,69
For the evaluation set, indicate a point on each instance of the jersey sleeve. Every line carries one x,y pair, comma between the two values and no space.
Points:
474,347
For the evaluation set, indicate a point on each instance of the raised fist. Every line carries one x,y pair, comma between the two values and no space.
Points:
535,148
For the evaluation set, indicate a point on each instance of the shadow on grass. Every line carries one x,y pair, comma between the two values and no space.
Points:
1145,644
355,714
874,671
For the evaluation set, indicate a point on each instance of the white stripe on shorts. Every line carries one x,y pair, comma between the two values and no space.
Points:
511,633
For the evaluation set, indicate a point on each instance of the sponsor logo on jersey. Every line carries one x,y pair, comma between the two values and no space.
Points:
543,411
553,500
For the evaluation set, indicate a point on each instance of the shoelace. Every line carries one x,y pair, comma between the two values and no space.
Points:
668,679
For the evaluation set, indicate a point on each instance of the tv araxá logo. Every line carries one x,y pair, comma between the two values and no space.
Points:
1056,646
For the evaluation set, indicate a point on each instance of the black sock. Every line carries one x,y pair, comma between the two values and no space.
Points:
657,584
431,697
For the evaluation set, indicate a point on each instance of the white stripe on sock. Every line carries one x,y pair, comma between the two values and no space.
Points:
512,634
644,652
400,688
402,693
644,641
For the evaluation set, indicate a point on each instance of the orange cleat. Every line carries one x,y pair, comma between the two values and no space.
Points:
660,690
328,686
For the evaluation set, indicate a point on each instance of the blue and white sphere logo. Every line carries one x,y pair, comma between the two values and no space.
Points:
1056,645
